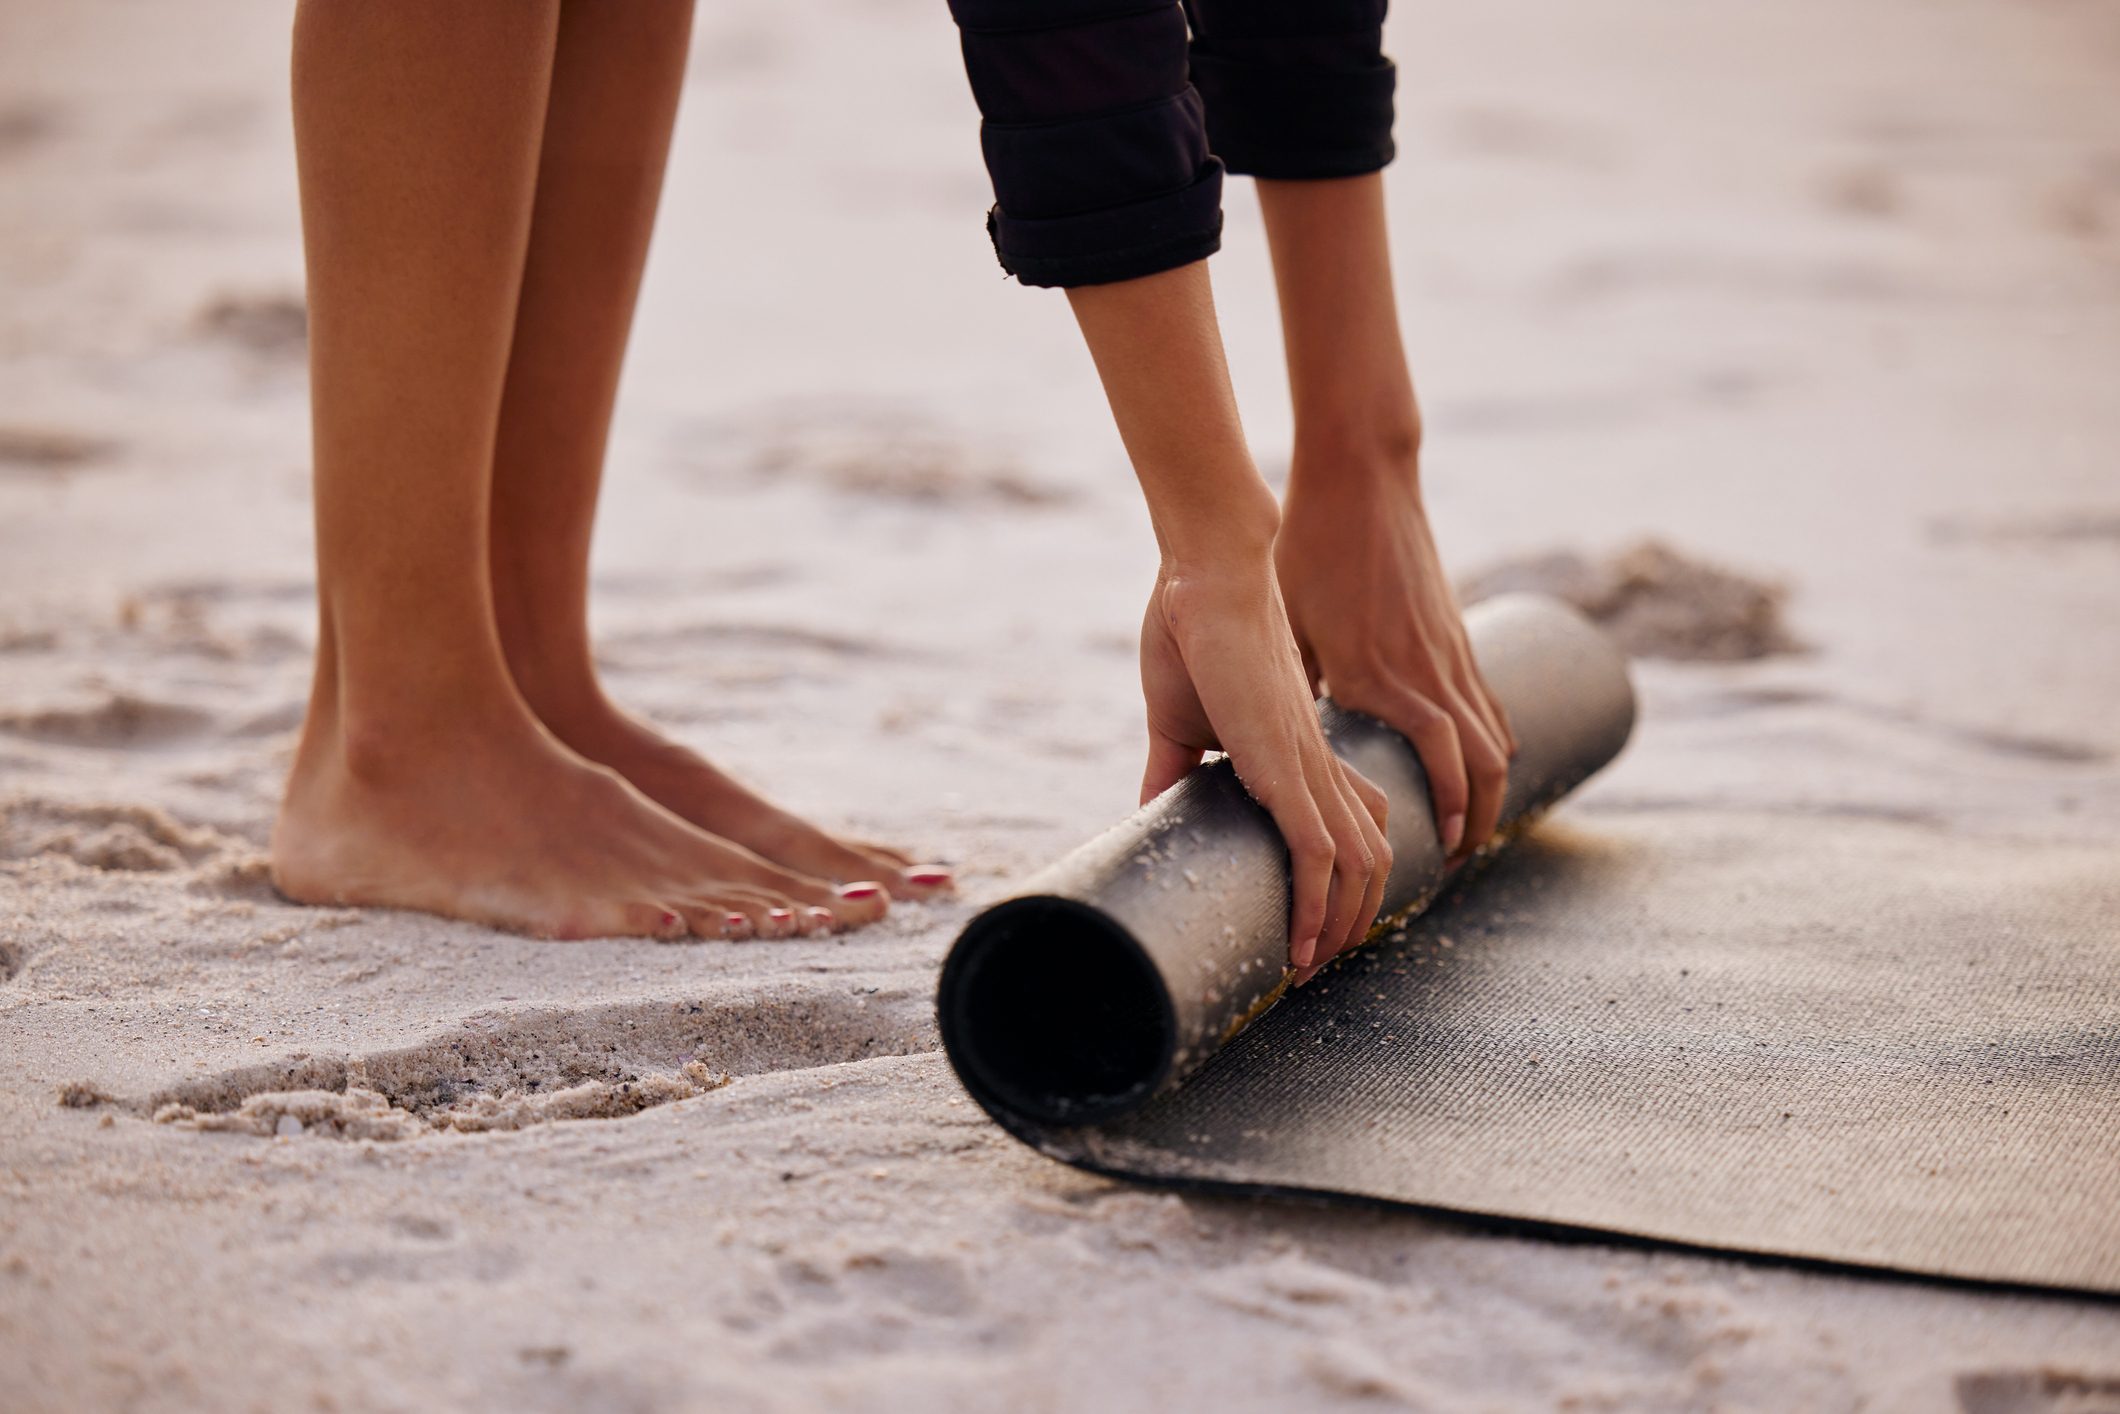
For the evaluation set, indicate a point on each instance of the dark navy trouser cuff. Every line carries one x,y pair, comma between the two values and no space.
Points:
1118,243
1289,121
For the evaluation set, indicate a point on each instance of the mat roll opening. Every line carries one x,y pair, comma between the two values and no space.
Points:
1055,1011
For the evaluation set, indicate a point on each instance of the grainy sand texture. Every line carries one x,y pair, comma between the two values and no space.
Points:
1784,337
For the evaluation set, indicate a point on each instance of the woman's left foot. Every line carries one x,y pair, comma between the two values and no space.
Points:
687,784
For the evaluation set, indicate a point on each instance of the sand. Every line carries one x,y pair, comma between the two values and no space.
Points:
1824,299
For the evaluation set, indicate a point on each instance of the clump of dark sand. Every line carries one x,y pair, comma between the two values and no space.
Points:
1656,602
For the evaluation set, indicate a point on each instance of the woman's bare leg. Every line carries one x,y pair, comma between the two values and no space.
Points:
616,80
422,779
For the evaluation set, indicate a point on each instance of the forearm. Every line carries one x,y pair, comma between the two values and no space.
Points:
1348,381
1158,350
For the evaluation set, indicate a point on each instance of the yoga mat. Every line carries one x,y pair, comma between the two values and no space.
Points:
1866,1042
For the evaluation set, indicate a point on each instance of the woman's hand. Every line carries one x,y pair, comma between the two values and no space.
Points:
1219,671
1379,628
1219,667
1366,594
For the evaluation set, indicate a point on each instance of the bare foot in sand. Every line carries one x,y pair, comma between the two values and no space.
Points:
485,817
478,185
693,788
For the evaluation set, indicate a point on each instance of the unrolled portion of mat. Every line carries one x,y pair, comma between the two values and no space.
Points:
1864,1042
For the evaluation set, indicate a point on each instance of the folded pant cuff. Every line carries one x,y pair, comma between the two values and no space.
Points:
1297,122
1117,243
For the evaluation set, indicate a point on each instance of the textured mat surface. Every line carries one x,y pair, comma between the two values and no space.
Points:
1853,1041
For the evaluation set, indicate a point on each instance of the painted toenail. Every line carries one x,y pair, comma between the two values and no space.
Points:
867,888
822,917
735,925
782,917
929,875
671,920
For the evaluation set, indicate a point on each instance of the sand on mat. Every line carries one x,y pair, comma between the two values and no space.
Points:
1824,298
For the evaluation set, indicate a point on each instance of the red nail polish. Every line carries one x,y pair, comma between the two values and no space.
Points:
735,924
822,916
864,889
781,915
929,874
671,920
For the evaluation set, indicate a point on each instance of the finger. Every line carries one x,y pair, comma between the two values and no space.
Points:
1370,794
1485,702
1380,855
1168,761
1487,774
1435,741
1372,851
1310,860
1355,890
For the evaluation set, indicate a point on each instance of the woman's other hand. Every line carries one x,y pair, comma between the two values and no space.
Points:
1379,628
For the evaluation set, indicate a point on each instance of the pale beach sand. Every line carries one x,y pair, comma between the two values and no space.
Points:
1827,293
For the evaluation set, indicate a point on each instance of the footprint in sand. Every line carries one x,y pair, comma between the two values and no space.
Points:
2037,1392
111,720
270,325
2097,526
501,1071
877,452
878,1301
26,124
50,451
124,838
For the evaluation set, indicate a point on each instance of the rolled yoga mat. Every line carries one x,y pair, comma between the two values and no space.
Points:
1856,1041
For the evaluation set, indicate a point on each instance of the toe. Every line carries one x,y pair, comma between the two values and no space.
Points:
802,848
712,918
929,880
634,918
864,901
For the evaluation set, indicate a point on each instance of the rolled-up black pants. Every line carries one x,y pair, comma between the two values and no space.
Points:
1108,123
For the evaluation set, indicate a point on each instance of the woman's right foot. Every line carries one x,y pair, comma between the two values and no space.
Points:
490,819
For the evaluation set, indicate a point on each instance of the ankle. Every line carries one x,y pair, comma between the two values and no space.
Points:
573,708
558,681
385,743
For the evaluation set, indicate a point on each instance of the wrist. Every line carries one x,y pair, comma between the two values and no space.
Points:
1368,437
1355,460
1227,523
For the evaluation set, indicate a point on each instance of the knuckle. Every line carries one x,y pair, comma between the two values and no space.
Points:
1426,716
1312,847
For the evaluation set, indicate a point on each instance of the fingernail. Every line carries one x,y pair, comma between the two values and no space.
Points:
735,925
1304,952
929,875
865,889
822,917
1453,832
